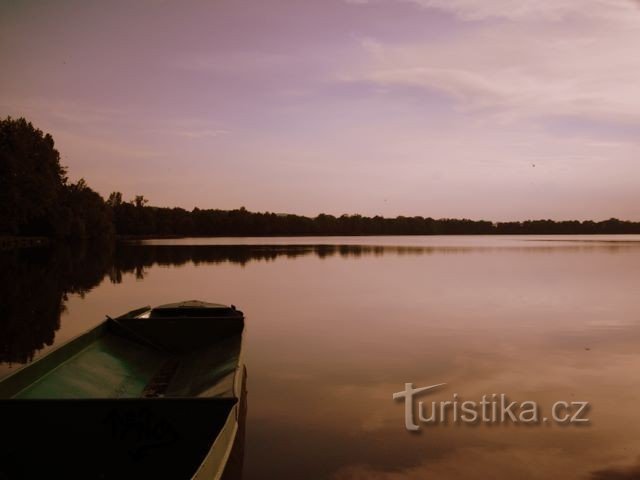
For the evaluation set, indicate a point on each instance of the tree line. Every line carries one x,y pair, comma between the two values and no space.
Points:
37,199
135,218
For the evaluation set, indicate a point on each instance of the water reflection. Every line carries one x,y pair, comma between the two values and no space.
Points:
334,330
135,257
34,284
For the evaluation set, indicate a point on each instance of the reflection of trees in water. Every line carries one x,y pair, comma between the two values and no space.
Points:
30,305
134,258
34,284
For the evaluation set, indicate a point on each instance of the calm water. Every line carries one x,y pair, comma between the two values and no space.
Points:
336,325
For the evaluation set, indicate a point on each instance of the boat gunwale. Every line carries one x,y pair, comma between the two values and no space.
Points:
231,422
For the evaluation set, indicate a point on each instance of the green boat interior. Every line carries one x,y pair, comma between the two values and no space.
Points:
135,397
109,363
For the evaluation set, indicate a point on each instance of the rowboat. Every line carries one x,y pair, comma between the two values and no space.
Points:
156,393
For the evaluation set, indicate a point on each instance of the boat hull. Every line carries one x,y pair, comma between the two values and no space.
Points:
125,400
115,439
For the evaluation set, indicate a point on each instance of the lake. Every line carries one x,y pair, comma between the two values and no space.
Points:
336,325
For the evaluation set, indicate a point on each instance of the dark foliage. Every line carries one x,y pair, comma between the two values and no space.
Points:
35,196
31,179
135,218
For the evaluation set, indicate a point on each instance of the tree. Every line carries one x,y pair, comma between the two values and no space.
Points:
31,179
115,199
89,216
139,201
35,195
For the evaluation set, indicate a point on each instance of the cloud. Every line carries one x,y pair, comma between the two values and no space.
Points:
555,9
474,10
64,110
586,68
205,133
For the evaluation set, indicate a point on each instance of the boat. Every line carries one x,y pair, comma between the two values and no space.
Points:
154,393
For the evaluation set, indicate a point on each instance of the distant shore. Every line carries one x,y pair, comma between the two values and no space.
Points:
18,242
125,238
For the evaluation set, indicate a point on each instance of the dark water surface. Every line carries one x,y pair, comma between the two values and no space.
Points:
336,325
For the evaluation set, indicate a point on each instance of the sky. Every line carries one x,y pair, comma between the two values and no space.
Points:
483,109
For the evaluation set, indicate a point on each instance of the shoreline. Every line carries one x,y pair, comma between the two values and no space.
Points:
18,242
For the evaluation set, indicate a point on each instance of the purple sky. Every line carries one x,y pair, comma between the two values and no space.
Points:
464,108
